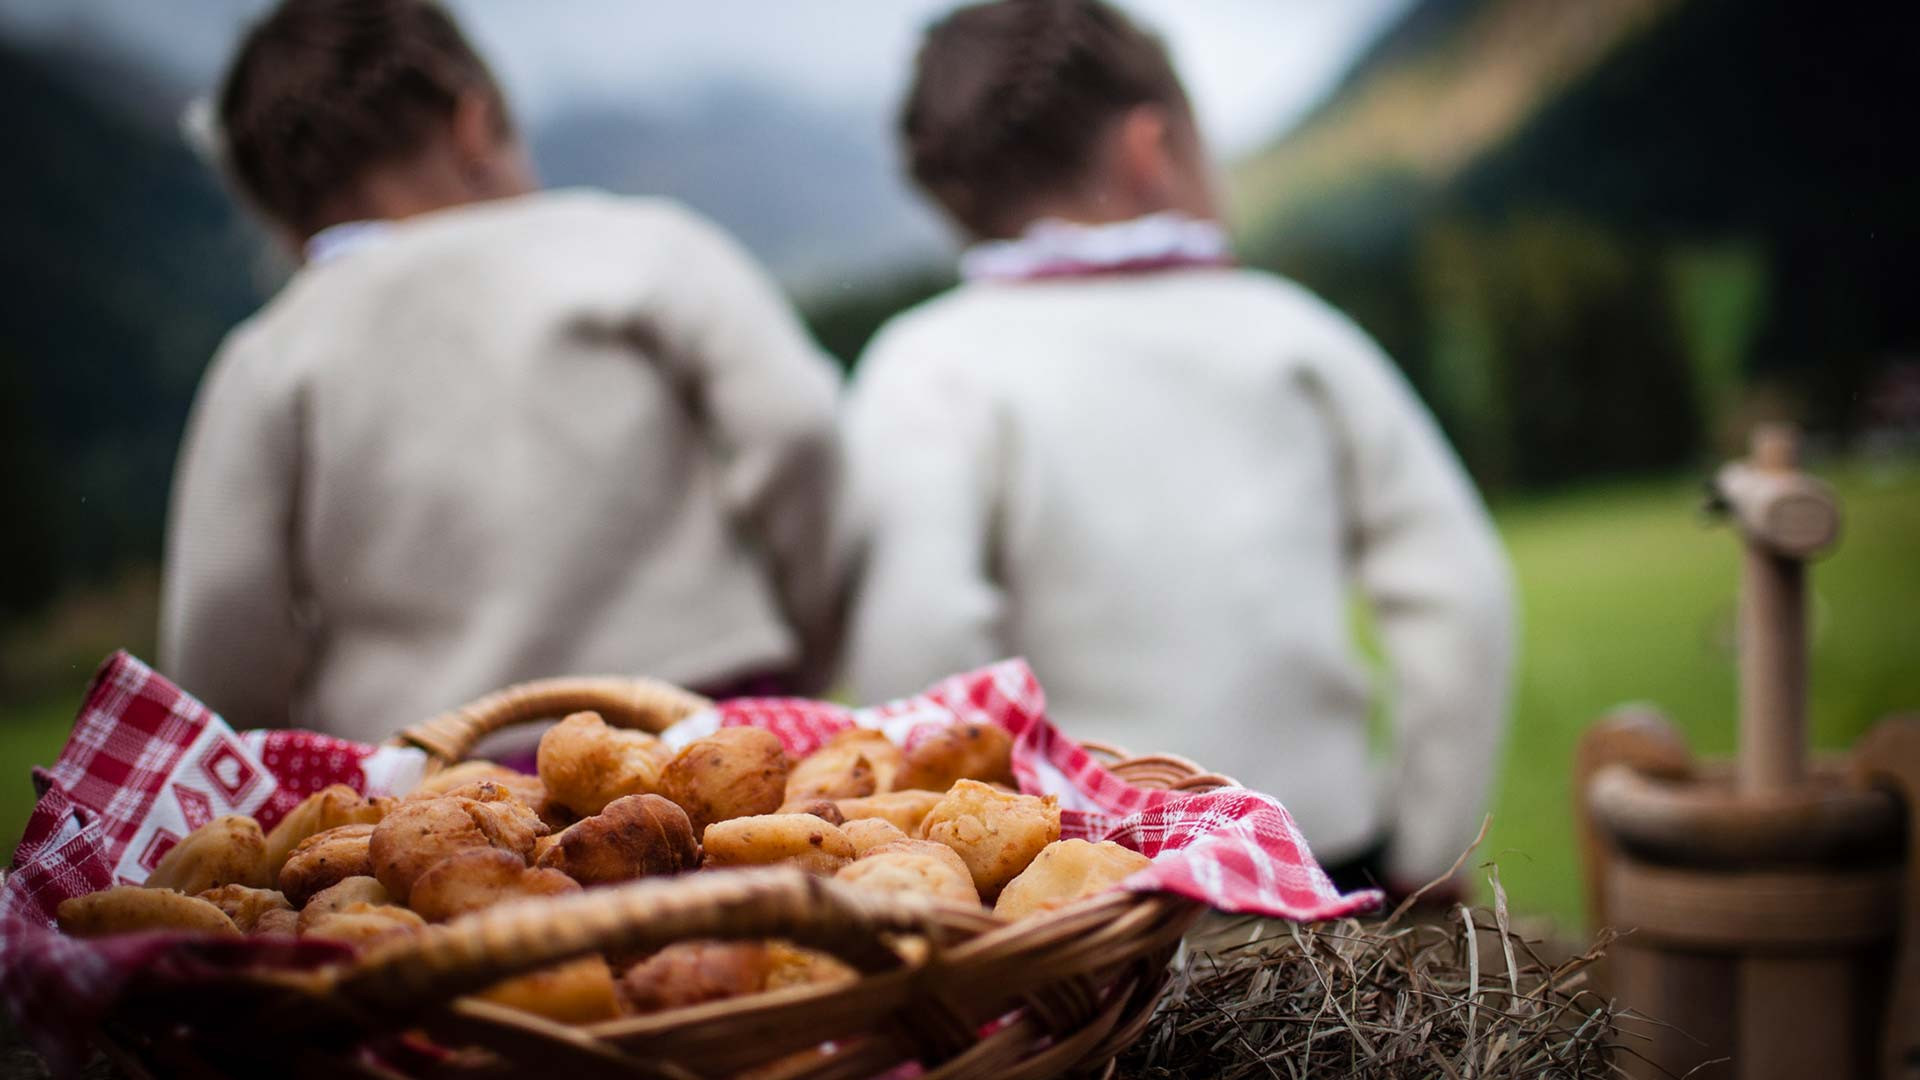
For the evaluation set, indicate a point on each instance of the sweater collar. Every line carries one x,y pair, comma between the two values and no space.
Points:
345,238
1052,248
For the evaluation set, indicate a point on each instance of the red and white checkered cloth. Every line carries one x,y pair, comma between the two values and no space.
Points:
147,763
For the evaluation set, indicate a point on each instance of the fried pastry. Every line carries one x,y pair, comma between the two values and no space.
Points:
853,764
228,850
328,808
869,833
479,878
905,870
693,972
994,832
325,858
1065,871
418,834
906,809
577,992
734,772
801,839
126,909
363,924
634,836
245,905
341,895
963,751
586,763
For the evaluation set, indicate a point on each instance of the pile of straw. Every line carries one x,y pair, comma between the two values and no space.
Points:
1462,997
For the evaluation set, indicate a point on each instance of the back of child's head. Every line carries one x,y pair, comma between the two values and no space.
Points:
321,91
1011,98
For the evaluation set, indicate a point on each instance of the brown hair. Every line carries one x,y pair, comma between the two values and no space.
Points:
322,90
1009,99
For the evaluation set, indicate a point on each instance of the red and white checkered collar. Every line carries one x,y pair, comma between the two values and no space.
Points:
1052,248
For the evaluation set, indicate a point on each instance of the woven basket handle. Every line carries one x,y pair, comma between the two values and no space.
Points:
478,950
623,701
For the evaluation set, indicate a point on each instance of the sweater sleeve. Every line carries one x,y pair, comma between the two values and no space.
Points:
921,453
228,629
1433,571
768,397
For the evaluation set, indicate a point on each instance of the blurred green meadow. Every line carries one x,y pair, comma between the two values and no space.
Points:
1628,594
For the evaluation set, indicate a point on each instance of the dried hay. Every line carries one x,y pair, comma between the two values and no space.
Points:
1461,997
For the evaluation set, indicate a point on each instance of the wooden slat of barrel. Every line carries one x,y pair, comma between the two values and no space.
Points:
1688,999
1801,1015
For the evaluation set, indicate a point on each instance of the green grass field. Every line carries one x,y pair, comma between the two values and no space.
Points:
1628,595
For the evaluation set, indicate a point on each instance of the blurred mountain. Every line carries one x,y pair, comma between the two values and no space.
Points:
1449,81
1601,237
123,265
814,194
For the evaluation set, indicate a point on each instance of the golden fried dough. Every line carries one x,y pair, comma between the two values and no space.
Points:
577,992
341,895
418,834
908,871
486,781
801,839
995,833
325,858
460,774
930,848
824,809
964,751
277,921
228,850
586,763
852,765
906,809
693,972
734,772
126,909
543,845
478,878
790,965
1065,871
245,905
870,833
328,808
634,836
365,923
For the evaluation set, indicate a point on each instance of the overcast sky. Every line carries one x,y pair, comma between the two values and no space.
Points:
1253,65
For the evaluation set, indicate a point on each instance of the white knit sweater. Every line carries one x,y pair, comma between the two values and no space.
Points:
1160,488
554,434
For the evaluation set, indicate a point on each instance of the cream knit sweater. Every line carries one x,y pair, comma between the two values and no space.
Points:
1160,488
554,434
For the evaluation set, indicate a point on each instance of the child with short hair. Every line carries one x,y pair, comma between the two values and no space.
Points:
485,433
1157,475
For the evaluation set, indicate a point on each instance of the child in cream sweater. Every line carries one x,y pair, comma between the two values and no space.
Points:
1155,474
485,433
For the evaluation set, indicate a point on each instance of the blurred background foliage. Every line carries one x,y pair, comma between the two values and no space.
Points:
1601,238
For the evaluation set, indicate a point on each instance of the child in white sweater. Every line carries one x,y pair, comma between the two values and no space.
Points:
1156,475
484,434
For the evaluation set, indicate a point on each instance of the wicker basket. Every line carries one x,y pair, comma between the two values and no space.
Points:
1055,995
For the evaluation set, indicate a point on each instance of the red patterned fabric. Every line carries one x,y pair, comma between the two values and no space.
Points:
146,763
1233,849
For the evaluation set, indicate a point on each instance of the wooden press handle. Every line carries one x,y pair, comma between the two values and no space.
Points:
1785,518
623,701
